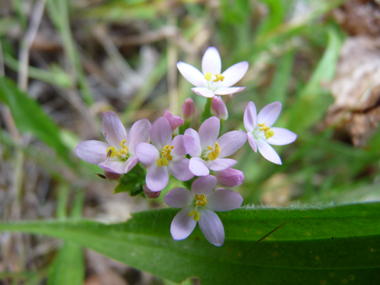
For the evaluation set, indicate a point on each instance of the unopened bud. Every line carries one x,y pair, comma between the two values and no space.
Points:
229,177
174,121
112,175
218,108
188,109
151,194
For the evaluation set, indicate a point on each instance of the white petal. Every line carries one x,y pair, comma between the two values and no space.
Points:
92,151
234,73
252,141
224,200
157,177
139,132
204,185
198,166
269,114
209,132
268,152
228,90
179,168
191,74
250,115
231,142
113,129
203,91
220,164
212,227
282,136
182,225
197,150
116,166
211,61
179,198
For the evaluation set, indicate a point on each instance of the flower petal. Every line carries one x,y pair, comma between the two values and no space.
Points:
191,74
250,116
231,142
130,163
228,90
182,145
157,177
268,152
204,185
161,133
198,166
229,177
211,61
92,151
224,200
147,153
209,132
182,225
116,166
203,91
252,141
113,129
179,198
221,164
179,168
139,132
269,114
197,150
212,227
174,121
234,73
282,136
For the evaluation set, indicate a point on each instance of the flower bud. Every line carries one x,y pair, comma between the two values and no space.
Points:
229,177
174,121
188,109
112,175
218,108
151,194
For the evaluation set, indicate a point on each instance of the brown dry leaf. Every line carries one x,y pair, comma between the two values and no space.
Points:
356,89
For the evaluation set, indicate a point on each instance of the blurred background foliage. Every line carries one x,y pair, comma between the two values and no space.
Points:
64,63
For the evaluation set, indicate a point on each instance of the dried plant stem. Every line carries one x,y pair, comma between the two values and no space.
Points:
172,72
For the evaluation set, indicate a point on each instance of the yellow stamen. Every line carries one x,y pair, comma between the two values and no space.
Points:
195,214
208,76
267,131
201,200
166,156
113,151
215,152
122,144
219,77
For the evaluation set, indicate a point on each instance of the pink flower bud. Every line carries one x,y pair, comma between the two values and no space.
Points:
151,194
112,175
174,121
229,177
188,109
218,108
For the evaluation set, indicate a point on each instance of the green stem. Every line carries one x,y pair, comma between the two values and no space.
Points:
206,112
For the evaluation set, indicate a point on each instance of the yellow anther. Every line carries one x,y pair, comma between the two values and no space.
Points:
166,152
113,151
201,200
195,214
208,76
267,131
219,77
161,161
122,144
215,152
269,134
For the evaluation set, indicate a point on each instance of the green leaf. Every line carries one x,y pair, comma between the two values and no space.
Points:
327,245
29,116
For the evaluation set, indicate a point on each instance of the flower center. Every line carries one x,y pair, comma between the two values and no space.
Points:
218,77
165,156
200,201
214,152
267,131
122,153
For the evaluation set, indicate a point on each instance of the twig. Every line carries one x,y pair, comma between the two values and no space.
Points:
270,233
172,72
1,62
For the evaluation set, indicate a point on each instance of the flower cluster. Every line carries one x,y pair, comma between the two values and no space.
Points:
169,148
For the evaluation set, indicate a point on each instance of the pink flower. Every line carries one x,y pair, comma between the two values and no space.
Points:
165,155
199,206
209,152
174,121
212,82
118,156
229,177
260,132
218,108
188,109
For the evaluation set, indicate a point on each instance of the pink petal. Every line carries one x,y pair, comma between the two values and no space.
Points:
282,136
179,168
151,194
268,152
204,185
224,200
198,166
92,151
112,175
269,114
211,61
174,121
191,74
113,129
139,132
219,108
157,177
209,132
212,227
182,225
161,133
231,142
234,73
179,198
228,90
250,115
147,153
252,141
182,145
197,150
221,164
203,91
116,166
130,163
229,177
